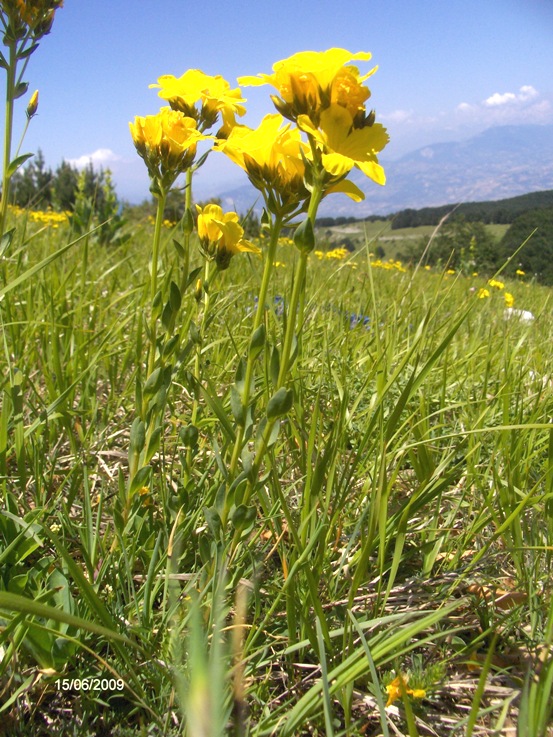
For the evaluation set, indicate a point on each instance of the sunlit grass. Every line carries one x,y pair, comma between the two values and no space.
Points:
418,445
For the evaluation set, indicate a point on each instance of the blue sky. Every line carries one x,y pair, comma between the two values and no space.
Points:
447,69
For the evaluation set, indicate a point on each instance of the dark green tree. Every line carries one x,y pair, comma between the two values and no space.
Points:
66,181
32,186
536,257
463,245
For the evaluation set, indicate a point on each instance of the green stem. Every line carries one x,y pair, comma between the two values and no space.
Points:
276,228
299,286
8,129
208,279
153,278
186,240
297,294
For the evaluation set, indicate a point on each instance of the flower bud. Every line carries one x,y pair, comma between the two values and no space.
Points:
33,105
198,290
304,236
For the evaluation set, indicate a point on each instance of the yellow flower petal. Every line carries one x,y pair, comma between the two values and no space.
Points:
348,188
270,154
344,146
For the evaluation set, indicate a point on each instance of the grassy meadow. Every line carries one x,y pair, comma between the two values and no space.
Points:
262,487
390,575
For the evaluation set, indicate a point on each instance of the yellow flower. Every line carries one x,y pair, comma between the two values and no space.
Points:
271,156
509,299
338,253
399,684
221,236
520,272
214,94
344,146
495,283
310,80
167,143
483,293
450,271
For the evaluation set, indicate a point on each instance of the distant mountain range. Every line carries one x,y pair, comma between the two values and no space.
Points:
500,162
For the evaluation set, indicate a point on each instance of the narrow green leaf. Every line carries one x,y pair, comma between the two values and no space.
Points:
6,241
280,403
236,406
243,517
140,479
17,162
257,341
20,90
153,382
274,368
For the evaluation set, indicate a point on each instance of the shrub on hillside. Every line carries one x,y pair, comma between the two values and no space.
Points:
536,256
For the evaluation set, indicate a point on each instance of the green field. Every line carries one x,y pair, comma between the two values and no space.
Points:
400,522
392,241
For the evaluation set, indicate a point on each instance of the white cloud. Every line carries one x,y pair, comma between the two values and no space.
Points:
525,93
498,99
397,116
102,157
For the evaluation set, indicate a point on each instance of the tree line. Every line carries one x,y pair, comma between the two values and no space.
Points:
469,247
38,187
491,211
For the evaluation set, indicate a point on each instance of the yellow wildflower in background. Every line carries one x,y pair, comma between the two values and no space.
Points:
214,94
167,143
221,236
310,80
338,253
399,684
48,217
496,284
509,299
520,272
483,293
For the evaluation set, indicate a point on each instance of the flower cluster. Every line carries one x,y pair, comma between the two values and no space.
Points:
167,143
484,293
273,156
213,94
311,81
49,217
221,236
326,98
30,16
398,687
322,96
